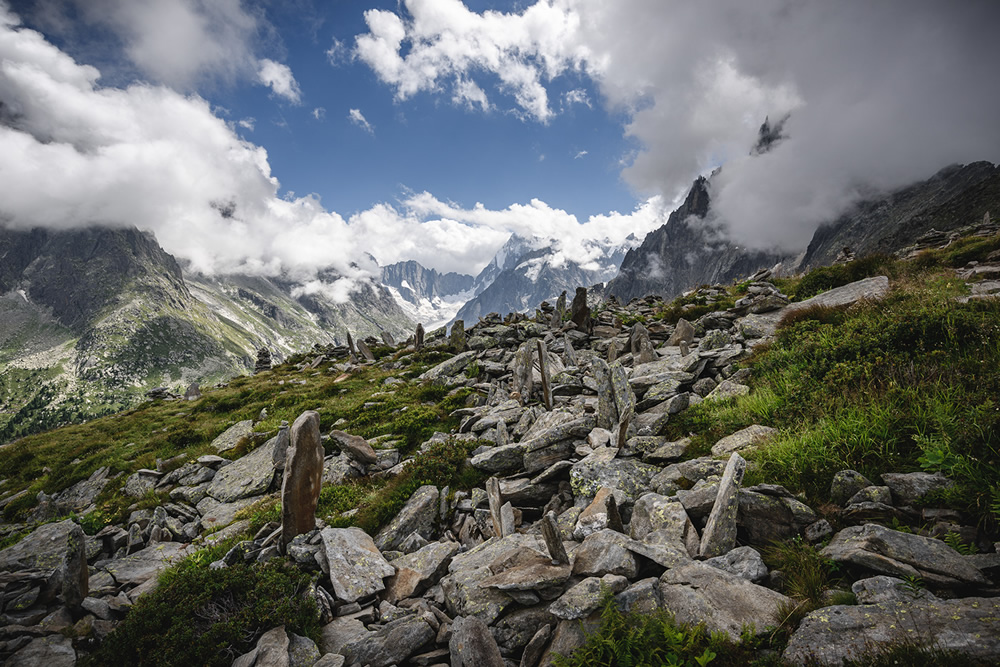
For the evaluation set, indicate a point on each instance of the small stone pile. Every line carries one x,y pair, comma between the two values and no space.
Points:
263,360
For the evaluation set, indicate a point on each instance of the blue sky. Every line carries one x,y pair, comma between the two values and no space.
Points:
289,137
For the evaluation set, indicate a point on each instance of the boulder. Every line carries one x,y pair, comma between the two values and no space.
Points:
525,569
895,553
764,518
725,602
831,635
845,484
355,447
744,562
145,564
449,368
419,570
355,566
585,598
630,478
50,650
472,645
59,547
250,475
907,488
419,515
605,552
869,288
233,436
391,644
744,439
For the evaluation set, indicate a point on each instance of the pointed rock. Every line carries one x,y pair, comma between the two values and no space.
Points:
719,536
302,478
472,644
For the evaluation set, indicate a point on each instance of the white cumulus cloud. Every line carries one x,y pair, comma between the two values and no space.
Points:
278,77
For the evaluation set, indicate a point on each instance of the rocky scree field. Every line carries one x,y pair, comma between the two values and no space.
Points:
778,472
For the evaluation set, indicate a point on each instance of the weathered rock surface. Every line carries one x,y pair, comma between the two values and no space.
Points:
59,547
970,626
419,515
900,554
725,602
233,436
302,478
250,475
355,566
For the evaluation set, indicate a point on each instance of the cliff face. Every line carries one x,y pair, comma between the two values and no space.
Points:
684,253
415,282
80,274
954,197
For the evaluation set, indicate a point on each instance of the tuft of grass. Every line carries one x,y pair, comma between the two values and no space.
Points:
807,574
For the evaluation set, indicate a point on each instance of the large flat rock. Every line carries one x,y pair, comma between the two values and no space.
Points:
899,554
248,476
725,602
968,626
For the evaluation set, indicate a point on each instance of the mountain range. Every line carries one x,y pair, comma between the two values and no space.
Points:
91,319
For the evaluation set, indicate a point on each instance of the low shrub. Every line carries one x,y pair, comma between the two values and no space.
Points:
208,617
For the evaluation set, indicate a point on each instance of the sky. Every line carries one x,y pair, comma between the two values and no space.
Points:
286,137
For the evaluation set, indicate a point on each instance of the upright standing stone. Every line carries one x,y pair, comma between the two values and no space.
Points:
503,437
561,306
350,344
623,394
719,536
607,414
494,499
569,355
553,539
388,339
418,340
543,368
683,333
642,346
303,477
612,351
457,340
580,311
522,381
366,351
281,448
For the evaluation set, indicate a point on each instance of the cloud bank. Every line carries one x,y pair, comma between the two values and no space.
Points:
74,153
880,94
